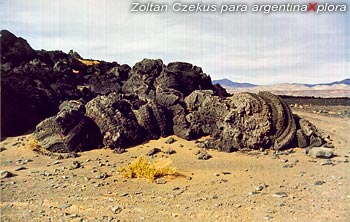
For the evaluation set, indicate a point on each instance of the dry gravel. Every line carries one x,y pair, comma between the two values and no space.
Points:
227,187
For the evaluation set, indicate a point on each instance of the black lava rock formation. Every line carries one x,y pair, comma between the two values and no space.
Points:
69,130
116,106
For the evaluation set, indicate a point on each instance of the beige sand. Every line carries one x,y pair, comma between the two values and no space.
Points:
48,190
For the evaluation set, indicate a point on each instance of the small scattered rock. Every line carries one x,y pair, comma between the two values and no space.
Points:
65,206
225,173
280,204
218,204
72,216
153,151
178,192
321,152
170,151
46,174
102,176
327,163
288,165
253,193
71,155
174,215
170,140
75,165
20,168
117,209
267,217
119,150
203,155
16,144
5,174
2,149
160,181
203,144
180,145
319,183
260,187
280,194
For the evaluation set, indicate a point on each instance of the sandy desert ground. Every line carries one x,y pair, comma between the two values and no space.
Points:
254,186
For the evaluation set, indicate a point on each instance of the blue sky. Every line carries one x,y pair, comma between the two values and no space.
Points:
243,47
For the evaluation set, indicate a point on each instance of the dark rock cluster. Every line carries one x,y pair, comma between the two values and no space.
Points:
82,104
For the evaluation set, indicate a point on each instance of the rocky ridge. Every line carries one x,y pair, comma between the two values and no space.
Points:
79,104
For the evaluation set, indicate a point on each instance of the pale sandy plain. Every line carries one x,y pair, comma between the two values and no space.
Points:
222,188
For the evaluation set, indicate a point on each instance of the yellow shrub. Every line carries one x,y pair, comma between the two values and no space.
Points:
142,168
33,144
89,62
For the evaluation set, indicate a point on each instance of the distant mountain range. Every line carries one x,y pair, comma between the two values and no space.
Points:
230,84
344,81
333,89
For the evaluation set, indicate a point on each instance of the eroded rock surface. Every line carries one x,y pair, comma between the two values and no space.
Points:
69,131
241,121
116,106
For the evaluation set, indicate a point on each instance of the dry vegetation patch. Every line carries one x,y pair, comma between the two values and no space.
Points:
33,144
142,168
89,62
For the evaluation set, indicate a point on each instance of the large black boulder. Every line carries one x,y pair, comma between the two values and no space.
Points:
244,121
118,124
69,130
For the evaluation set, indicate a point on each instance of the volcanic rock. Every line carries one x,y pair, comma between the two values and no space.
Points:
5,174
105,84
203,155
153,151
69,130
116,121
240,121
142,77
155,120
283,125
13,49
321,152
33,84
26,97
127,106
